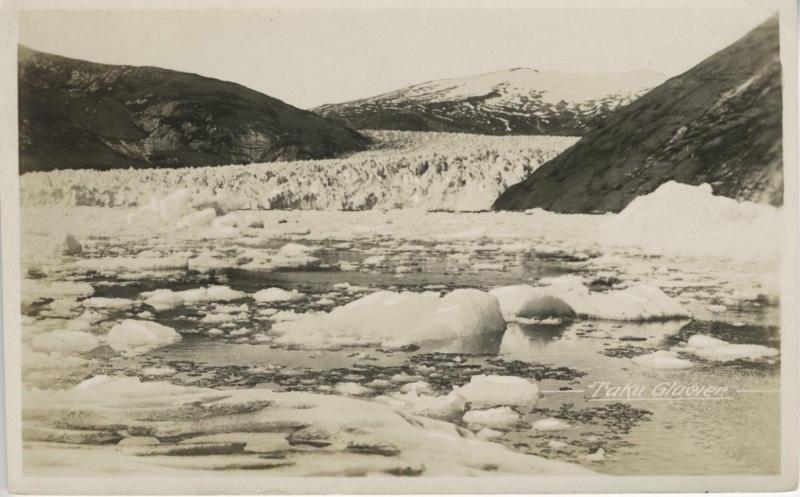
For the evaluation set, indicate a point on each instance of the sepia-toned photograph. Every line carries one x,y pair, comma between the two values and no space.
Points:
390,247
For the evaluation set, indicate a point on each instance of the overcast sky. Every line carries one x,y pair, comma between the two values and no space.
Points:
311,57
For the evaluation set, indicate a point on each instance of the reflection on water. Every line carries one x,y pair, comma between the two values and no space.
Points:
642,437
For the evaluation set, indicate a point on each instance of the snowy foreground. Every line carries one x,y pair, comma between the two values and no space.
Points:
193,334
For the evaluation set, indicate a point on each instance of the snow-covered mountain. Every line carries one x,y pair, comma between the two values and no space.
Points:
515,101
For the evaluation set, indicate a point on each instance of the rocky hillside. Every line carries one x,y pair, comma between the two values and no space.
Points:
78,114
718,123
517,101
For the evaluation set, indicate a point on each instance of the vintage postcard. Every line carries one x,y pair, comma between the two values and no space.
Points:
514,246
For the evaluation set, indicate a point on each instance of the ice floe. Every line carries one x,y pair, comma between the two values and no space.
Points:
448,407
337,432
716,350
568,296
136,336
36,289
550,424
393,319
165,299
277,295
497,417
65,341
494,390
662,359
107,303
679,219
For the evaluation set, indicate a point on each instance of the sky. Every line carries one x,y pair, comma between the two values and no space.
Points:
310,57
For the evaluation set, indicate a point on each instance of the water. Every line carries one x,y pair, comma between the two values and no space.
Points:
648,436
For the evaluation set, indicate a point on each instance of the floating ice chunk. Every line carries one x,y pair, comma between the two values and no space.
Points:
231,308
282,316
347,287
348,266
679,219
568,297
136,336
714,349
206,262
295,250
494,390
162,300
391,317
662,359
557,444
448,407
65,341
335,430
63,307
351,388
197,219
117,264
704,341
525,301
158,371
138,441
489,434
216,293
498,418
550,424
374,260
221,317
36,289
417,386
378,383
107,303
275,294
597,456
36,361
735,351
400,378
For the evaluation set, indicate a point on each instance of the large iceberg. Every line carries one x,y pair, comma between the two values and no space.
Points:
394,319
568,297
679,219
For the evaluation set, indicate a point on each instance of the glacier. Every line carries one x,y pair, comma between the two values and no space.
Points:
402,169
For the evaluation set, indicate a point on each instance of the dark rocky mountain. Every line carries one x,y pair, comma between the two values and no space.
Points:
78,114
718,123
518,101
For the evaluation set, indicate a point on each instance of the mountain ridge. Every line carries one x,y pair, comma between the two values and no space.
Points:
520,100
717,123
81,114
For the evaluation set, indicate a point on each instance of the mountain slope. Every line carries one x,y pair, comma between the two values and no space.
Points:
516,101
78,114
718,123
